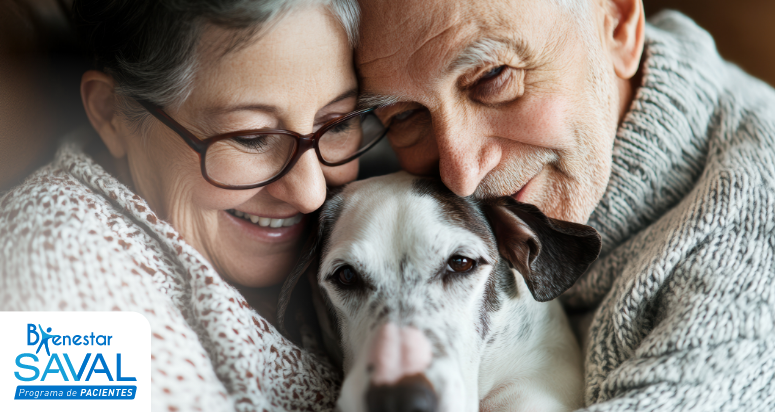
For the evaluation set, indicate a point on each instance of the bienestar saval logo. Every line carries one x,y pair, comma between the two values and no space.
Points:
80,360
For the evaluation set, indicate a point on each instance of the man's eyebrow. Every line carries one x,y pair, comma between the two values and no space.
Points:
366,100
485,51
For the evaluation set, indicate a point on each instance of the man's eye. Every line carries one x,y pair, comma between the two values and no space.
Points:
502,84
409,127
493,73
404,115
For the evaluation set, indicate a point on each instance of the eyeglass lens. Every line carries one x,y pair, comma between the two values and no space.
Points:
247,160
350,137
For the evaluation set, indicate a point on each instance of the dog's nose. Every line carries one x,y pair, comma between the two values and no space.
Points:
410,394
398,352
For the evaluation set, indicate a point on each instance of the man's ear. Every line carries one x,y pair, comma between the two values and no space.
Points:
99,101
624,30
550,254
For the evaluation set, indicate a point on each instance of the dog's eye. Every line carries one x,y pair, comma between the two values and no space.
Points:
346,276
459,263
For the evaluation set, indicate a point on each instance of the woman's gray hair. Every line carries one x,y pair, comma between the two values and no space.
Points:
150,47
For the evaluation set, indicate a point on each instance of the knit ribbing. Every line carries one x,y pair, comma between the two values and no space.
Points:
685,280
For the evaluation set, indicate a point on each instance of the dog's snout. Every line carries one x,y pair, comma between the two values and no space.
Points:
398,352
410,394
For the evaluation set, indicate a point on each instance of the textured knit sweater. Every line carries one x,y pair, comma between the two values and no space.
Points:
72,237
683,291
685,285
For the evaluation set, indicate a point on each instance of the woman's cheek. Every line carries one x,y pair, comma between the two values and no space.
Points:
210,198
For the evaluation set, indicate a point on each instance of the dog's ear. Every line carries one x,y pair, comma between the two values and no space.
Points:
308,258
550,254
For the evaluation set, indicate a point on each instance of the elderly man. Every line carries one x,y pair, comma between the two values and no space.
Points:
641,130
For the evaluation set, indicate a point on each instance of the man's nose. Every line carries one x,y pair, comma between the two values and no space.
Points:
304,186
466,153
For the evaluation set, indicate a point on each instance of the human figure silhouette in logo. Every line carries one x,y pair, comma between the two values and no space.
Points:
44,339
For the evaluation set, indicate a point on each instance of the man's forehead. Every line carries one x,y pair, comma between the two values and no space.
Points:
396,30
400,37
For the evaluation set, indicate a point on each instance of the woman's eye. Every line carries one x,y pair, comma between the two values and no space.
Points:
251,142
342,127
460,264
346,276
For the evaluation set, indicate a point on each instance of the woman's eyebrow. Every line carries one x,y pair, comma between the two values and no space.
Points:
267,108
346,95
251,107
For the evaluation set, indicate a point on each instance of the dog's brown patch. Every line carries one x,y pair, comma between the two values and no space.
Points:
459,211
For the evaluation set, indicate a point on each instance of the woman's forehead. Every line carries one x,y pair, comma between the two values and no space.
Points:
304,60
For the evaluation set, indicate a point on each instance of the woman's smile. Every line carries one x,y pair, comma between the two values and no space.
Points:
265,229
267,221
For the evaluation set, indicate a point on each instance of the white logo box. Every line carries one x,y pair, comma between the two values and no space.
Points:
99,361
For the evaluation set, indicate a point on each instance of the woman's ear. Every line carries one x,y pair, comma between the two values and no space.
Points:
99,101
624,34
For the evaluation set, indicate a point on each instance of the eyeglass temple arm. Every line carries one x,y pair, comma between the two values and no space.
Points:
198,145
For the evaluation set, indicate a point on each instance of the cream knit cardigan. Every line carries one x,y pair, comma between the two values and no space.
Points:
73,238
683,290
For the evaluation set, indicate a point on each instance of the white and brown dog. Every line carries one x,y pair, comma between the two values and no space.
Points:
439,303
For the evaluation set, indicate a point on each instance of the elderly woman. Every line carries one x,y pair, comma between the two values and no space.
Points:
217,126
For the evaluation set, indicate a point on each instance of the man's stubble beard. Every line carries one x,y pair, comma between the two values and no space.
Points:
576,179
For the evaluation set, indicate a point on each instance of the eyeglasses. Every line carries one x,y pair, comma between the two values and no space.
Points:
253,158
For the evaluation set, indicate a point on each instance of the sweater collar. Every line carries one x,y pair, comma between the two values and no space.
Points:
661,146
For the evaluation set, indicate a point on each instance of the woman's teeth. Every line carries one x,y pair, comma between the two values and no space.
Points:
268,222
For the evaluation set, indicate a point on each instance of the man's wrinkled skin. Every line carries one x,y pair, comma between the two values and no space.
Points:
536,120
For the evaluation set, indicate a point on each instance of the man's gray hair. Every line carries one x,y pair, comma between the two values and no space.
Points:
486,49
150,47
573,6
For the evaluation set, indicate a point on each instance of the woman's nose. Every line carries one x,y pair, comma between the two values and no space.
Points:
304,186
466,155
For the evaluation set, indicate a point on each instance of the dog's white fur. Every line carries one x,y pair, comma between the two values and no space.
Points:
521,357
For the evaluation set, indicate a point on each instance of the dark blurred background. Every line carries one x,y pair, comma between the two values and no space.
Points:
41,67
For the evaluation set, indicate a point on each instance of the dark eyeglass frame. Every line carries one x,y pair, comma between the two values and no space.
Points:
303,143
